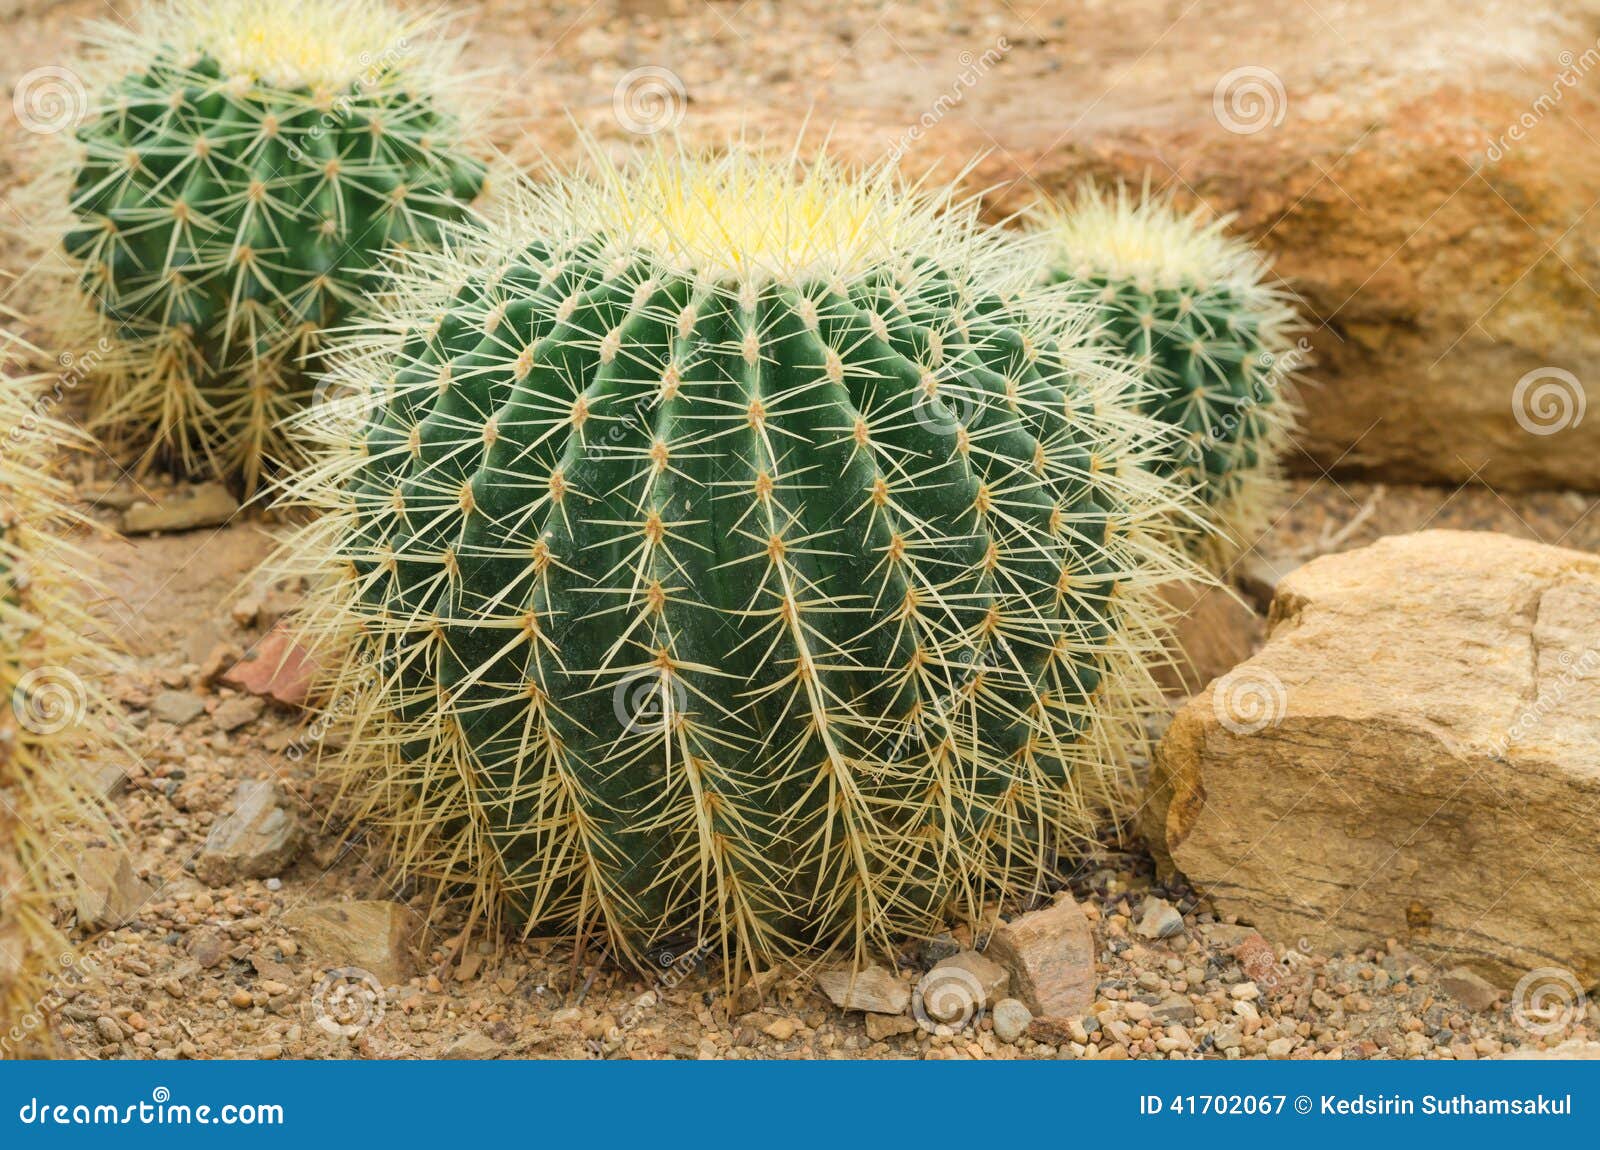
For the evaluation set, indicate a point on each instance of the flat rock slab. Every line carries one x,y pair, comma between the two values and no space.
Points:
1414,754
208,505
874,989
370,936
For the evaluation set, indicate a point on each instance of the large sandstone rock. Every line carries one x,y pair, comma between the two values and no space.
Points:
1414,754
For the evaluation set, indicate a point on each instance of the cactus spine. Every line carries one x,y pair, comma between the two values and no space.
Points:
243,168
45,710
1197,312
731,553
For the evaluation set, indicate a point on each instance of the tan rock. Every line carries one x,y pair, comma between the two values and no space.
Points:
1441,264
206,505
1412,755
1050,956
474,1045
231,714
1471,990
959,987
781,1029
885,1026
371,936
107,893
259,838
873,989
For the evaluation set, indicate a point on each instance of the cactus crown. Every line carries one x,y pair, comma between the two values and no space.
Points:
44,706
243,169
734,552
1202,319
292,45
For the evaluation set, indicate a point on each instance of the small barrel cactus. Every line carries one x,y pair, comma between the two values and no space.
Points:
1210,332
243,168
46,716
735,554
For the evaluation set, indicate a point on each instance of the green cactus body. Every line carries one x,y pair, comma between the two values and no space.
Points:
1193,309
776,604
238,187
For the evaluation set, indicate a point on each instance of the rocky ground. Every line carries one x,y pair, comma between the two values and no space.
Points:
232,920
247,926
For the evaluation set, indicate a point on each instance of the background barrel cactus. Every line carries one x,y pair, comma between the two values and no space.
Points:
735,553
46,711
1210,331
243,168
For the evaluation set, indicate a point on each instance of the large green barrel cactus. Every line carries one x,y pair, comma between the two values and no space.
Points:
243,168
1210,332
734,554
46,712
